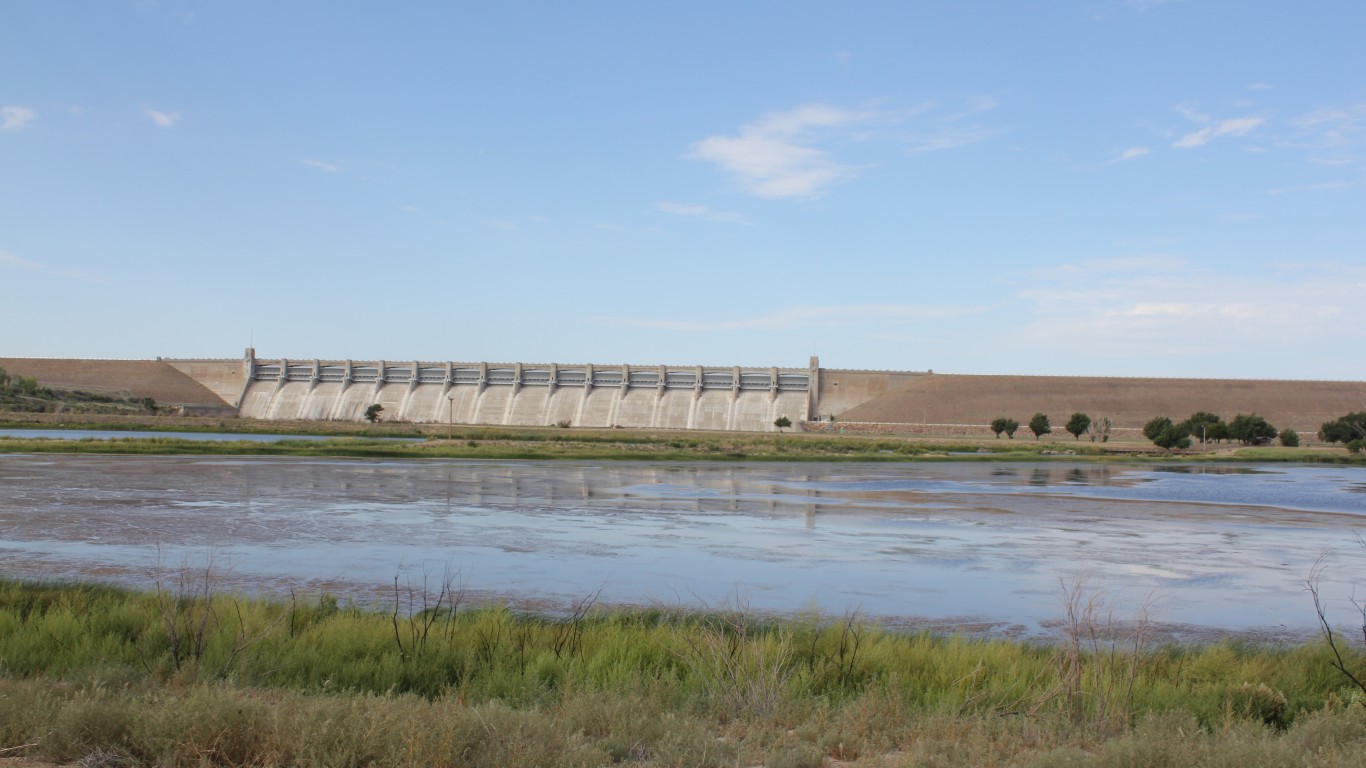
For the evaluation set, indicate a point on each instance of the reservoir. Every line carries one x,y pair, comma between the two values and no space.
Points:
972,546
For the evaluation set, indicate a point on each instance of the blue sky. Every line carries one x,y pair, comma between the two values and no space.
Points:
1092,187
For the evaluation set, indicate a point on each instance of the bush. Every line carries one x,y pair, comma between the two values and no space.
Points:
1354,446
1250,429
1165,434
1038,424
1290,438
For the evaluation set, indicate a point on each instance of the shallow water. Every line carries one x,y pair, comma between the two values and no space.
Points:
951,544
113,434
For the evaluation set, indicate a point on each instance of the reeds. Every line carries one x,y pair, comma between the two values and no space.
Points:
186,675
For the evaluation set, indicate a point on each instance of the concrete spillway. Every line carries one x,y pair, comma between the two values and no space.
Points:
664,397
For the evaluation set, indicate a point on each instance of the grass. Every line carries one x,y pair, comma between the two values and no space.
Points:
183,675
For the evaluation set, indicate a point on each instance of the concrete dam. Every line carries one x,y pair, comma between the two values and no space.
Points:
744,398
521,394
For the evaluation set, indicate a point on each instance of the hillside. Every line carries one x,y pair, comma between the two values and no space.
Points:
115,381
1129,402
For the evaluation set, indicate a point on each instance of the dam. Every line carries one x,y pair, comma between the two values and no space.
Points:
700,397
522,394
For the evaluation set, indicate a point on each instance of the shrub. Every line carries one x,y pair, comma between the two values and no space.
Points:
1038,424
1165,434
1354,446
1290,438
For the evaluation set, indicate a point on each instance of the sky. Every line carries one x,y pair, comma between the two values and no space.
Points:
1095,187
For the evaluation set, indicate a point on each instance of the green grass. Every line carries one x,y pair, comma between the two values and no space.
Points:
184,676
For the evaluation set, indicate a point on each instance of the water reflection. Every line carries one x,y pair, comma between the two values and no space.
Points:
933,540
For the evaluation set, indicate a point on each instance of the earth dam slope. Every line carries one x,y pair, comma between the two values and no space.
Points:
1128,402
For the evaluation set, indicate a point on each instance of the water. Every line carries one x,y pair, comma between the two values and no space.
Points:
112,434
988,546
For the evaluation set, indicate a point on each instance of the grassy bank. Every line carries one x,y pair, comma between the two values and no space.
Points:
183,676
468,442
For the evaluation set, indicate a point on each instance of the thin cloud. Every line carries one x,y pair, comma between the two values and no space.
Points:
797,318
1176,309
162,119
774,157
1333,135
1238,126
784,154
14,119
9,260
1131,153
320,165
690,211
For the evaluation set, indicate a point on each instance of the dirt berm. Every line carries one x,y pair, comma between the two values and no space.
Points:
133,378
1128,402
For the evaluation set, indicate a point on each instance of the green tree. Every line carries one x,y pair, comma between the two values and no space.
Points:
1290,438
1249,428
1012,426
782,422
1078,425
1199,423
1165,434
1344,429
1038,424
998,425
1218,431
372,413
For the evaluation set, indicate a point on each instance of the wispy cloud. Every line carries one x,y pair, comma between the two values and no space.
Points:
796,318
14,118
1174,308
320,165
1324,186
786,154
1333,135
1130,154
9,260
774,157
690,211
1236,126
162,119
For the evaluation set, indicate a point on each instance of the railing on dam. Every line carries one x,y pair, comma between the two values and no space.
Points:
519,375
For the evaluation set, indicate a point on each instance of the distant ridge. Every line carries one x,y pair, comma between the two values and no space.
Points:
1128,402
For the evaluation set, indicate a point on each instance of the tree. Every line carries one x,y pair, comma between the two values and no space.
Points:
1199,423
782,422
1250,428
1344,429
1078,425
1290,438
1218,431
1165,434
372,413
1038,424
1100,428
998,425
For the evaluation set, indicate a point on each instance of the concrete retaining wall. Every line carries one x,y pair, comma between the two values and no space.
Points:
520,394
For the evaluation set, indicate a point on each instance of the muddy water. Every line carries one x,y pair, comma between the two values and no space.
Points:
965,544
